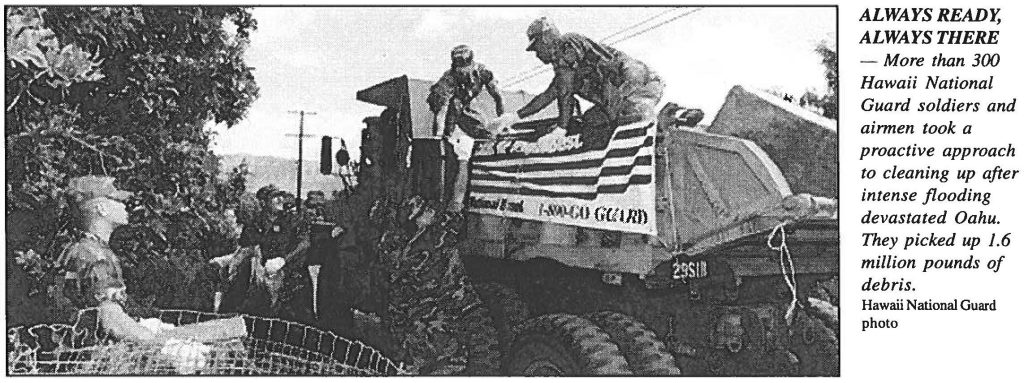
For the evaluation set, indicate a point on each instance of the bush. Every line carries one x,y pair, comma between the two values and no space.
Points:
126,92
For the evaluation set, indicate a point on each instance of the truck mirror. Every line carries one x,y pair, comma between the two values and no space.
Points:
326,166
342,157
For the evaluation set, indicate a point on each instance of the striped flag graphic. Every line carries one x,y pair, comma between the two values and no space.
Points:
607,165
601,178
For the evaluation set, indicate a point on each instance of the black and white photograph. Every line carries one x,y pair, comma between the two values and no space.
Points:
385,190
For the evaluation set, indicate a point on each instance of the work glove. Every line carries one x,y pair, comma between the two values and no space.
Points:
155,325
274,265
188,356
462,144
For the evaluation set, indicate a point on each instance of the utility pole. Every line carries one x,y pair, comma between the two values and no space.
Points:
298,174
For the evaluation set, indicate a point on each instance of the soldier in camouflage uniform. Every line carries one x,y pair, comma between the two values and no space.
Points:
451,100
100,208
622,89
432,310
451,97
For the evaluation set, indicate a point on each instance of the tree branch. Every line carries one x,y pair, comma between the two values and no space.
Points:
93,148
25,89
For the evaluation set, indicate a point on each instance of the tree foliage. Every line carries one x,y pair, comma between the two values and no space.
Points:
829,103
127,92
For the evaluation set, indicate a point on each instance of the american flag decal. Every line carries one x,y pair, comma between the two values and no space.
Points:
600,178
625,158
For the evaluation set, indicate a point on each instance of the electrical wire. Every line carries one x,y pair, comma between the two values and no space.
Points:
540,69
609,37
655,26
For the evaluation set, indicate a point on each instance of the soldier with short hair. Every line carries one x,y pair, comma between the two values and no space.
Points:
93,276
100,209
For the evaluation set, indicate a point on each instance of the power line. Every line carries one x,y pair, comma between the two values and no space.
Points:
606,38
655,26
533,72
538,70
530,72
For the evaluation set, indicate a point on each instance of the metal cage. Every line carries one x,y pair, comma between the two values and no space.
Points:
270,347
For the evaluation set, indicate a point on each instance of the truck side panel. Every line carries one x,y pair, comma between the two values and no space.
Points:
804,145
708,183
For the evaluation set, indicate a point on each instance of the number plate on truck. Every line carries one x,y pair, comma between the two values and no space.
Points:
686,270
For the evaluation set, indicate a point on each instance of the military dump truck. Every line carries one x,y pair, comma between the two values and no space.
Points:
648,248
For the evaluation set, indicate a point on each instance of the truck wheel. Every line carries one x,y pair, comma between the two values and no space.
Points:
507,311
645,353
815,346
564,345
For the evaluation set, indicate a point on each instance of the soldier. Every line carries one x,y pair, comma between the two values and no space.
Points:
280,238
621,88
316,202
100,208
228,257
451,97
451,102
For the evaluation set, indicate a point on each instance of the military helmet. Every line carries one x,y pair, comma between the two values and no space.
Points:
462,56
537,29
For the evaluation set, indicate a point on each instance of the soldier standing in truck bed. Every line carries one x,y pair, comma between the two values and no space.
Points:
451,100
621,88
451,97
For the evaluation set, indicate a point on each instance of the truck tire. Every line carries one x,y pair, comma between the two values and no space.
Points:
507,311
646,355
815,346
564,345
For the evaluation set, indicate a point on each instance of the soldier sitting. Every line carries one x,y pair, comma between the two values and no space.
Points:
93,276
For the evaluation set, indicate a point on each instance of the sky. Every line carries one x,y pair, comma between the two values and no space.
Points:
316,59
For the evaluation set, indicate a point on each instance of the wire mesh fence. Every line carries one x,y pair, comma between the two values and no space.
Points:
269,347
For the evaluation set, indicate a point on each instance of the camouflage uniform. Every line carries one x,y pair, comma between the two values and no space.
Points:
78,260
619,86
433,311
459,87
